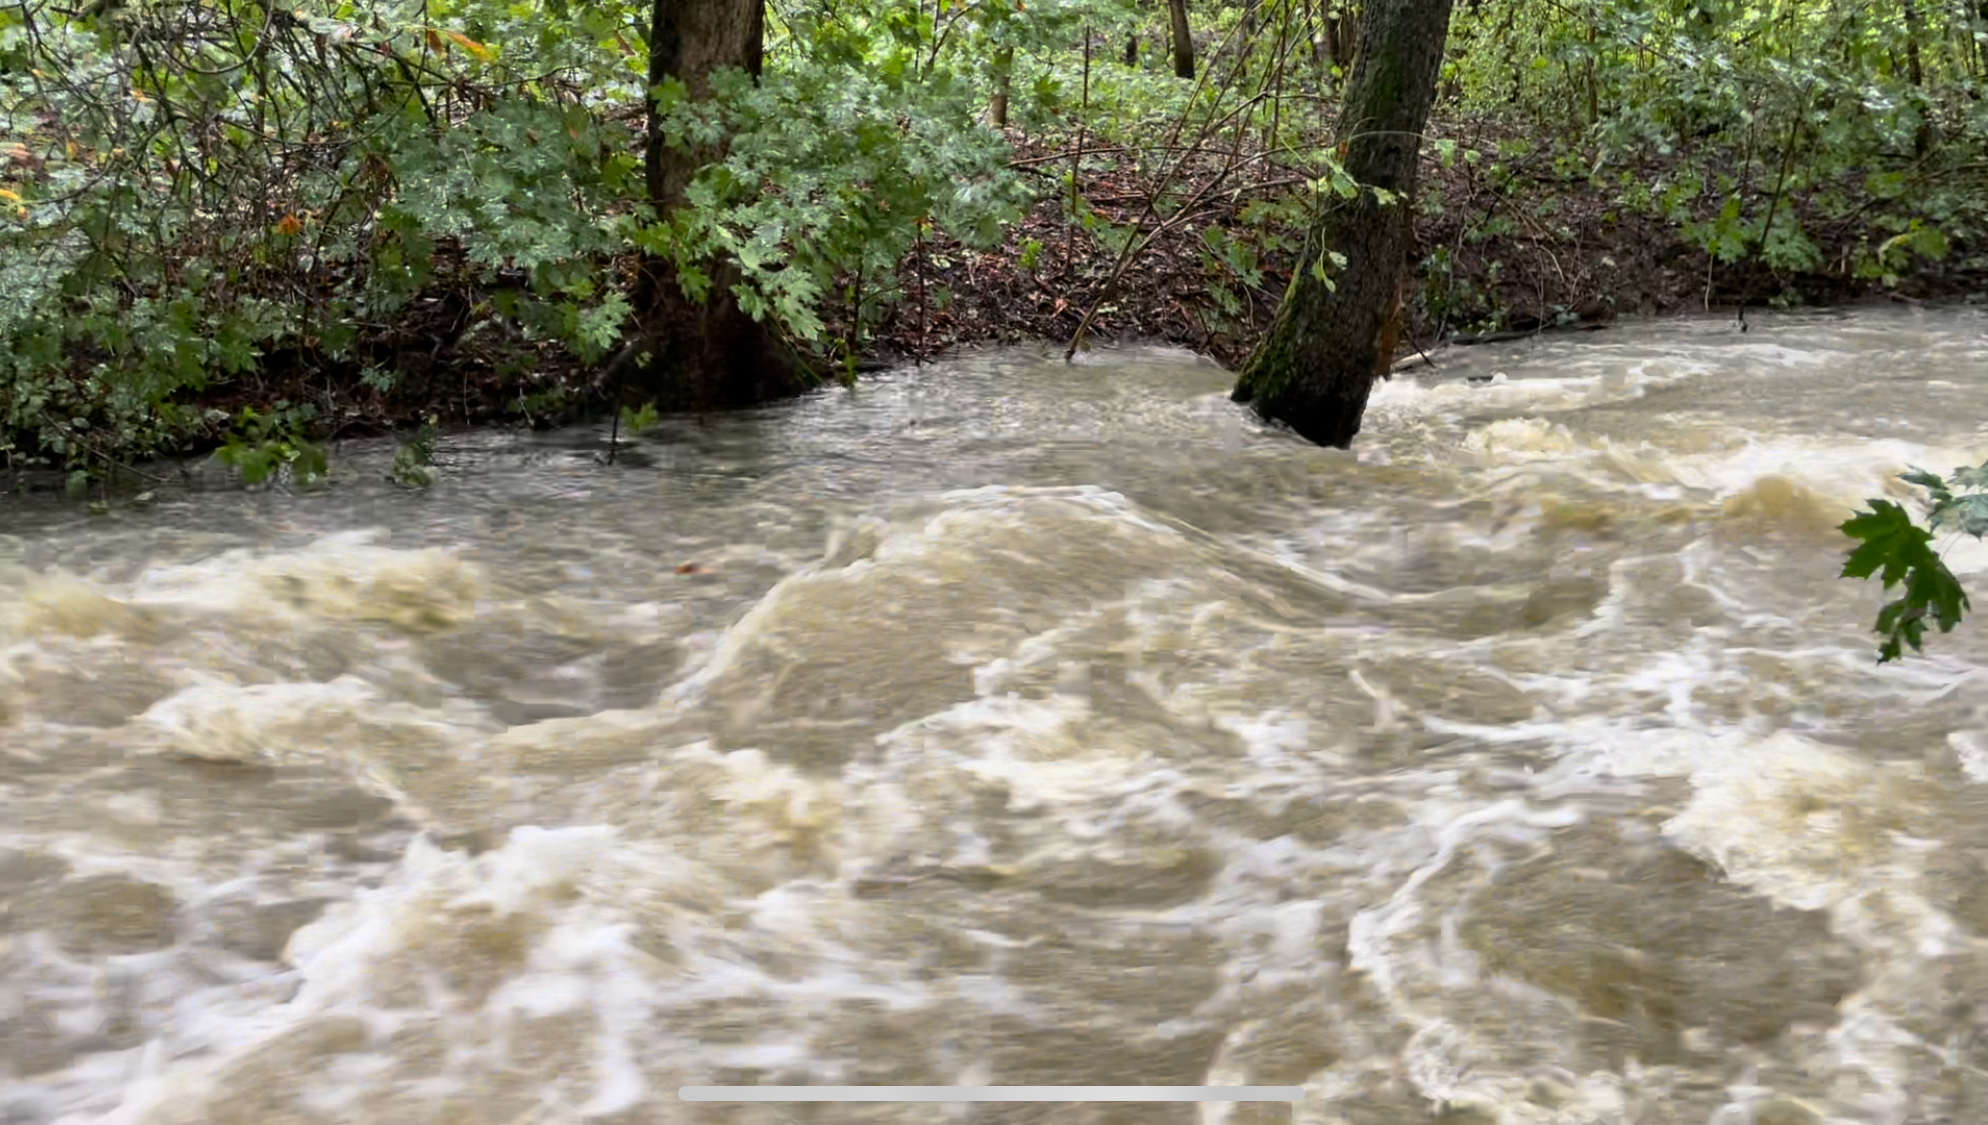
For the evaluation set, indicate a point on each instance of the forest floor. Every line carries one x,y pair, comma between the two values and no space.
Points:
1520,247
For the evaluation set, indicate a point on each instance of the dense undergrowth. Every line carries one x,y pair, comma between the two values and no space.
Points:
225,224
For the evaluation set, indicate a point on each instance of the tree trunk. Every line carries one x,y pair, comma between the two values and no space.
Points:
1915,72
1329,343
1915,30
1183,39
1980,38
709,354
1331,36
1004,73
1345,30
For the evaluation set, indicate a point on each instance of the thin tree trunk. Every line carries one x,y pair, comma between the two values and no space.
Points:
1593,87
1330,342
1980,38
1183,39
1318,24
710,353
1915,72
1915,30
1517,96
1004,72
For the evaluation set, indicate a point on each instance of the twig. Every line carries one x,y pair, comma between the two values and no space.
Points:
1780,182
918,271
1077,160
1135,244
101,455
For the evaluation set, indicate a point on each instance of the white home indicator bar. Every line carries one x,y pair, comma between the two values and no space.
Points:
991,1093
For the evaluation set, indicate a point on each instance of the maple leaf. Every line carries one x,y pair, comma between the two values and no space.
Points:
1899,551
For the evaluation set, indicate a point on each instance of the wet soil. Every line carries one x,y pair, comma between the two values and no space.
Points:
1503,248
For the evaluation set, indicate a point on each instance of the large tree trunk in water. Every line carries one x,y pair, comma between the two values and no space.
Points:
711,354
1183,39
1328,344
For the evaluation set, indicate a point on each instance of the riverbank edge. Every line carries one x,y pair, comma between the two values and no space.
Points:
1488,263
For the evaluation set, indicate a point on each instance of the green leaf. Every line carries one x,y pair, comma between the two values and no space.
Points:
1970,478
1967,513
1891,542
1926,480
1897,551
308,465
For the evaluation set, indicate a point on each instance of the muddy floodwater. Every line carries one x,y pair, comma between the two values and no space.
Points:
1009,722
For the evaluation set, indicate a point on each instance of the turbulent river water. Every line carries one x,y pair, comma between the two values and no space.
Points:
1009,722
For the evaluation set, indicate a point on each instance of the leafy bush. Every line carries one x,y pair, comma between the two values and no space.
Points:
199,188
192,194
263,446
200,201
1871,115
414,459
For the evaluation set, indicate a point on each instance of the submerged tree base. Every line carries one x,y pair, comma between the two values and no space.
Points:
1335,332
1314,381
705,356
1331,340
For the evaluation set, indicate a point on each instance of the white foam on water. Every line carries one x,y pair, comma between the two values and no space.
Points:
1277,740
1753,354
1849,471
540,928
1807,825
570,971
1533,387
348,576
1970,749
1444,1060
1820,828
1407,397
270,724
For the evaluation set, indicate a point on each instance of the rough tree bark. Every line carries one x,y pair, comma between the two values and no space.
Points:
708,355
1183,39
1329,343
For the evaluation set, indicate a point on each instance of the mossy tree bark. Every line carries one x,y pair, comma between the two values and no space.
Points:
1329,343
711,354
